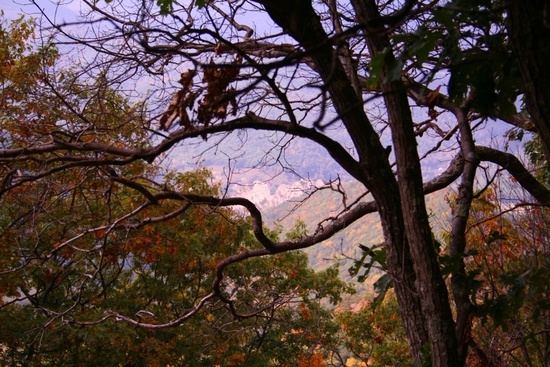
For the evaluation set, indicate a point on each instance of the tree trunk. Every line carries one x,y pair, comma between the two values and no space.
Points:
430,284
302,23
528,24
457,244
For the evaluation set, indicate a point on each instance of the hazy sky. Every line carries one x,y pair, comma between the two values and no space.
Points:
57,10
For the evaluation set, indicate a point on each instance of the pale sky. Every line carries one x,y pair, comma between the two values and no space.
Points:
58,10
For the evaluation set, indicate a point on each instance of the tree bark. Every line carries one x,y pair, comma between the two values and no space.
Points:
457,244
430,284
301,22
528,25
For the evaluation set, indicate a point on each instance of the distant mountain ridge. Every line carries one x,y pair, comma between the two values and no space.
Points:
266,195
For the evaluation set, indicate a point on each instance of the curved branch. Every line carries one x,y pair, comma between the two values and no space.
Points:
56,145
250,121
323,232
270,247
175,322
513,165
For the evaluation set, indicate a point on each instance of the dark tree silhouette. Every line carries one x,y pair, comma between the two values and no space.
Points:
441,73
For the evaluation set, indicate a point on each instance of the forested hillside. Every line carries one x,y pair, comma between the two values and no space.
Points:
343,248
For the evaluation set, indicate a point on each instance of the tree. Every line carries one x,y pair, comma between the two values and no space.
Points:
507,267
374,335
316,65
529,31
68,279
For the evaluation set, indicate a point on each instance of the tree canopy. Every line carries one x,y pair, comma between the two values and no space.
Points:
93,226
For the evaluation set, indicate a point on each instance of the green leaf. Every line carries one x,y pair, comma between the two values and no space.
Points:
165,6
371,256
357,264
298,232
381,287
515,134
375,68
395,70
423,45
